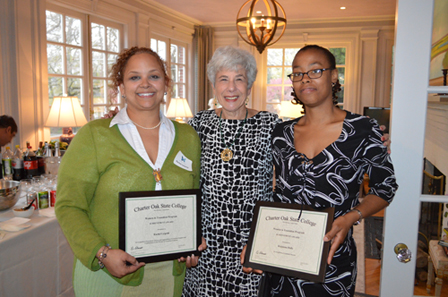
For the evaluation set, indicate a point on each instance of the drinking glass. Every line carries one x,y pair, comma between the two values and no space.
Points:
25,186
36,181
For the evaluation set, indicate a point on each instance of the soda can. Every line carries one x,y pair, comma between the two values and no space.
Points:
52,198
43,199
30,196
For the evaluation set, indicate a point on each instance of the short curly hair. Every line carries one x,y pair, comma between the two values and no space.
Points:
117,70
232,58
332,60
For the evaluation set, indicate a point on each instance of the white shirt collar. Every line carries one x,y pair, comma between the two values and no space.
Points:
122,118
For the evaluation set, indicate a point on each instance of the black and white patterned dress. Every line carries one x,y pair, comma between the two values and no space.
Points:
229,192
331,179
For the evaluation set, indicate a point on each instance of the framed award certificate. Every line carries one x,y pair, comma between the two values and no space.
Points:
287,239
160,225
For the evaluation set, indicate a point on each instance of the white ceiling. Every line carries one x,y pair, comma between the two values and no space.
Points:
217,11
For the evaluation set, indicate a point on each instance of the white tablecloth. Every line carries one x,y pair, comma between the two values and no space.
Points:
36,261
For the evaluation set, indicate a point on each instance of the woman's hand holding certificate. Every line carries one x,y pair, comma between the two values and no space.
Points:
161,225
288,239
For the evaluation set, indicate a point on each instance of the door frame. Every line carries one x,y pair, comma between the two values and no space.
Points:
413,33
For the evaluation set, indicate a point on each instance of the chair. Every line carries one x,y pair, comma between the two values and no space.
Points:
438,261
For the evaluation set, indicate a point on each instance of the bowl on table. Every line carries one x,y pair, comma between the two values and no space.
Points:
9,193
20,212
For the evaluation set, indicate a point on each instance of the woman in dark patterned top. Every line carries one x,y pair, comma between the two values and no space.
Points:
320,160
236,172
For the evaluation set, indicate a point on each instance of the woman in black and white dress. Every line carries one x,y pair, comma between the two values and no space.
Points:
320,160
236,172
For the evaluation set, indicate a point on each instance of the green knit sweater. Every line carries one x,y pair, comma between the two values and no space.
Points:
97,166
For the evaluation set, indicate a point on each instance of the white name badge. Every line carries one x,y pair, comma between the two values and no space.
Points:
183,162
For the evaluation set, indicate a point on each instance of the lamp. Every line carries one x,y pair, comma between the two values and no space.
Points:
179,109
261,28
289,110
66,112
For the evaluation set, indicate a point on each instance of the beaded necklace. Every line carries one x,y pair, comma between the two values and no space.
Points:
150,128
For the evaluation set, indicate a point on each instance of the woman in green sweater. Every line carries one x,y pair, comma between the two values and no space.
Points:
134,151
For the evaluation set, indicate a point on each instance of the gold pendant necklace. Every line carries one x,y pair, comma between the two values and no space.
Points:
227,154
157,175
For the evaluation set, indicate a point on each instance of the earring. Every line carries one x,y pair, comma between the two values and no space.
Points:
333,84
123,96
294,96
165,93
247,100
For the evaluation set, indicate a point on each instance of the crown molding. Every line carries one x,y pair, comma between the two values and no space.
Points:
166,10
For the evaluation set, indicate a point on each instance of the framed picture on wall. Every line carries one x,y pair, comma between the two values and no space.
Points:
439,46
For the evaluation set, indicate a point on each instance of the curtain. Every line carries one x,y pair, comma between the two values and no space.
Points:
202,53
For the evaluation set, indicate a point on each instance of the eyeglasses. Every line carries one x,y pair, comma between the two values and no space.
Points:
312,74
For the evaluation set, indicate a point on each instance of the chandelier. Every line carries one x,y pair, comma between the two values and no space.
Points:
260,23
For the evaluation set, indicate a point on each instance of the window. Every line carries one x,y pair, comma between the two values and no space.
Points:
80,52
105,46
65,54
279,86
176,62
339,54
178,74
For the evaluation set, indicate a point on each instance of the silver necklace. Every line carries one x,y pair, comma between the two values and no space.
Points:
150,128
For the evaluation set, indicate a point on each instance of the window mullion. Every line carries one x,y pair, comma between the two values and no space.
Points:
88,107
64,56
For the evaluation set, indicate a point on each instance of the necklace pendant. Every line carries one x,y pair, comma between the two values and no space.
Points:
157,175
226,155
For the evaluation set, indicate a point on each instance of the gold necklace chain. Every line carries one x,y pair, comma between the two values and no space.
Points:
150,128
227,153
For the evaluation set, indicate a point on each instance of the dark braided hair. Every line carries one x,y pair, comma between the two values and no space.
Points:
336,87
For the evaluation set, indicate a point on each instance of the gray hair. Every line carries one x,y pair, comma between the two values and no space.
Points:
232,58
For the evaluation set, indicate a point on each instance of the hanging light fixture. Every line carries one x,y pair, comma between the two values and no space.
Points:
261,24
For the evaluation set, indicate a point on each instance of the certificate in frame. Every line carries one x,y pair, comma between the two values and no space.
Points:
281,243
159,226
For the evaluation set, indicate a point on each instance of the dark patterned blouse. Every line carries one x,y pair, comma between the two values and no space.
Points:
331,179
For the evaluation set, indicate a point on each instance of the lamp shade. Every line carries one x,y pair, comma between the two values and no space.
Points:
66,112
289,110
179,108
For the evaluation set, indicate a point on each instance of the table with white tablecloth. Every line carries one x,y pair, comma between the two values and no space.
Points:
36,261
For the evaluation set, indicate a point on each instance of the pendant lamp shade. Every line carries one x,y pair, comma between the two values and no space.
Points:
258,24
